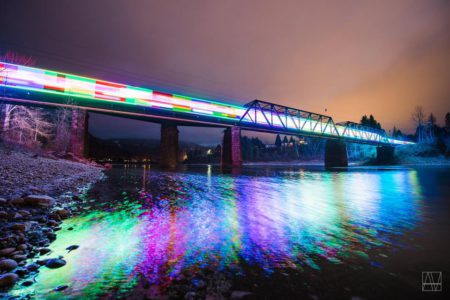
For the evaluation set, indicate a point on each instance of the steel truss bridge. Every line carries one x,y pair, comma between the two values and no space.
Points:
21,84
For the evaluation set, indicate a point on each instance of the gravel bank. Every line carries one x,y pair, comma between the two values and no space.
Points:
36,194
23,173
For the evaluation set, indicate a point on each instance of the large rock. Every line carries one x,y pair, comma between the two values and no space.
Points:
7,264
39,200
8,280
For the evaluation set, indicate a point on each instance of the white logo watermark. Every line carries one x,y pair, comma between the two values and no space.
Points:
431,281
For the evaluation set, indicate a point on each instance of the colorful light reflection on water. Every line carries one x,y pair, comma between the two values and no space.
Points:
154,225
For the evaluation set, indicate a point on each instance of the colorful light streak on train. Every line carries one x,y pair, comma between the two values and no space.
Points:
40,80
33,79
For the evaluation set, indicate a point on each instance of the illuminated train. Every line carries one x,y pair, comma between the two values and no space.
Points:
21,77
94,93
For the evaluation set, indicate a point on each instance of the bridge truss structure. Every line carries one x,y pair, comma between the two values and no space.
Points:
266,116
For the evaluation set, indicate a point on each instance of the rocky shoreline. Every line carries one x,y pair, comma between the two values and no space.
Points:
37,191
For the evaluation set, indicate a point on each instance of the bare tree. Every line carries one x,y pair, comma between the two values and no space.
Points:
63,122
432,119
30,126
424,127
418,115
447,121
26,125
7,110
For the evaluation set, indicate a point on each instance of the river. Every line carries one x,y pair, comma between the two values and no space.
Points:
275,232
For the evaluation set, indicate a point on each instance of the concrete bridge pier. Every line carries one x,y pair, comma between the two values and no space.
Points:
79,133
385,154
231,147
335,154
168,157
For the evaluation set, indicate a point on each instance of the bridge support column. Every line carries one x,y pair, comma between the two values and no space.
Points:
168,150
385,155
231,147
79,132
335,154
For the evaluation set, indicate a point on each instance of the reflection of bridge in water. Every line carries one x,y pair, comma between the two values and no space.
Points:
33,86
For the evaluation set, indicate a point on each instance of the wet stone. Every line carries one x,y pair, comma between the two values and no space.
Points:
22,247
39,200
52,223
17,252
6,251
63,213
22,263
21,272
51,236
72,247
17,202
7,265
41,262
61,288
27,283
3,215
55,263
8,280
19,257
33,267
24,213
19,226
55,217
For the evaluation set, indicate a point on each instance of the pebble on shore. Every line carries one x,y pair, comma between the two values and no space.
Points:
55,263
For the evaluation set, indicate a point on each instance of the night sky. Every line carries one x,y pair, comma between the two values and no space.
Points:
348,57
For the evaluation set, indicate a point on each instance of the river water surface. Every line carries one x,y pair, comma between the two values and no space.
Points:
277,232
